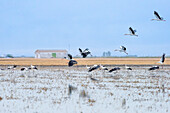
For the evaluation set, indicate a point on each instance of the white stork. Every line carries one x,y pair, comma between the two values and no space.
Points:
12,67
162,59
153,68
93,68
72,61
103,67
122,49
114,69
25,69
85,52
132,32
128,68
33,67
158,18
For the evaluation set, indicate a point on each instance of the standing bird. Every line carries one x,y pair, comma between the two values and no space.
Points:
85,52
128,68
33,67
12,67
88,67
72,61
132,32
25,69
93,68
103,68
122,49
158,18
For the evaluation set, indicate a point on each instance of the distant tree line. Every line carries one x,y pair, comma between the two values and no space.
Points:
107,54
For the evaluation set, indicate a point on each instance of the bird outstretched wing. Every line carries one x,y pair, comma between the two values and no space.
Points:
157,15
163,58
131,30
70,56
80,50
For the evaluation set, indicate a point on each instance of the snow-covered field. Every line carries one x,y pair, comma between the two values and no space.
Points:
46,91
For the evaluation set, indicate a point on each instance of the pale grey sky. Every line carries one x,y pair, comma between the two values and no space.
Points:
100,25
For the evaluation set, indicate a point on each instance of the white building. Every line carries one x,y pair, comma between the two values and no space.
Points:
51,53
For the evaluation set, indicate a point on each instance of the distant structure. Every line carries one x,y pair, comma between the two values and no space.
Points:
51,53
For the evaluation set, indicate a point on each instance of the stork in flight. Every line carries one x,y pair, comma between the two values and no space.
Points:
72,61
122,49
162,59
158,18
132,32
85,52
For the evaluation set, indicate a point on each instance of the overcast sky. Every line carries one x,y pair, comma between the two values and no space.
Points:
100,25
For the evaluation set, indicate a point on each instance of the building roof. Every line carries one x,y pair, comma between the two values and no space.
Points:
40,51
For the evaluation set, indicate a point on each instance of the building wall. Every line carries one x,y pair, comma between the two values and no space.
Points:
49,54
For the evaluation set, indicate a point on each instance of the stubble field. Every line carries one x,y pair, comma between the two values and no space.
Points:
83,61
46,90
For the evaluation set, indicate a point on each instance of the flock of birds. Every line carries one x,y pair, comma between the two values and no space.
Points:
86,52
133,32
22,68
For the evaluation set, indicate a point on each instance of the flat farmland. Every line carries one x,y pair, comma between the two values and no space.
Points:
83,61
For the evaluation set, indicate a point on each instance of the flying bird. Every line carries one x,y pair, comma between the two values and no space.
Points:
158,18
114,69
72,61
162,59
85,52
153,68
132,32
122,49
93,68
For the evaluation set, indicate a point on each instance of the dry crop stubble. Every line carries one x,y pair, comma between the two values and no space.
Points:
83,61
